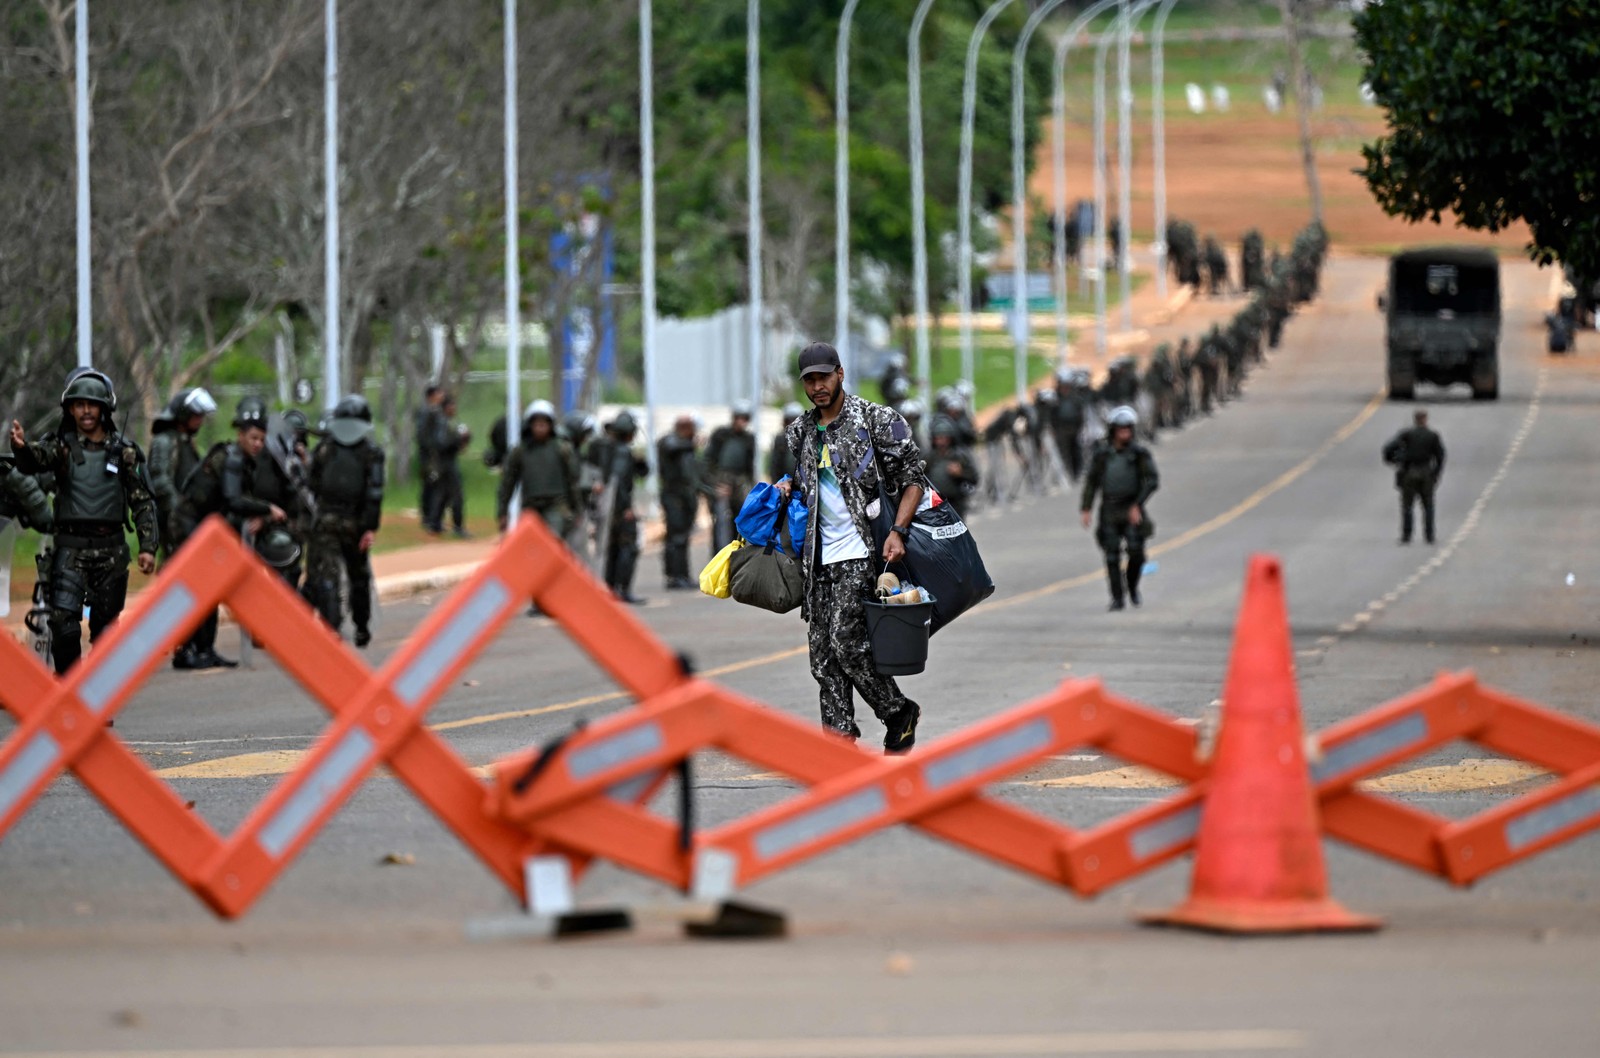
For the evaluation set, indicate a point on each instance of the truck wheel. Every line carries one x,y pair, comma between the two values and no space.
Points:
1486,387
1401,387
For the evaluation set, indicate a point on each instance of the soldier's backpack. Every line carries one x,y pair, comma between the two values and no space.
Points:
344,477
203,487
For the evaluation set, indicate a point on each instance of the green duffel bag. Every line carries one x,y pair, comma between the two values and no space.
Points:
768,577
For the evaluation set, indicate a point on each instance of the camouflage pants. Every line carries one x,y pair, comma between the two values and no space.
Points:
335,543
841,653
93,576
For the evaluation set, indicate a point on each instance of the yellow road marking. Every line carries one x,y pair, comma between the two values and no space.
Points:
218,768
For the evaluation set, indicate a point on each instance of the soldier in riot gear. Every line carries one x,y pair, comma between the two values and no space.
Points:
1122,473
952,470
613,456
730,468
545,468
173,456
347,482
1072,405
101,486
678,460
780,461
893,383
224,483
283,477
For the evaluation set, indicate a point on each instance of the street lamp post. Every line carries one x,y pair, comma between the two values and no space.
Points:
1059,145
753,180
331,344
513,257
647,218
1124,169
919,223
1158,136
80,78
1019,198
841,184
1126,12
969,104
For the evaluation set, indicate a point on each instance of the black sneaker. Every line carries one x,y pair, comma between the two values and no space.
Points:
213,660
186,660
902,733
362,637
1116,604
1133,597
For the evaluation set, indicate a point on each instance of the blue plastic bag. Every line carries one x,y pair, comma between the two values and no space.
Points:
758,517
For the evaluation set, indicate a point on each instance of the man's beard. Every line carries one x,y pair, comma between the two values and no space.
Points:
834,392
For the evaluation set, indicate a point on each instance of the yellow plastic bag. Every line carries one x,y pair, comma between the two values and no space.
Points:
715,579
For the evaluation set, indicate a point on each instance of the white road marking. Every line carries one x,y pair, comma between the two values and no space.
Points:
1203,1041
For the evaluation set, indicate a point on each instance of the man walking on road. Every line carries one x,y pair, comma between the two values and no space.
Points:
843,448
1123,472
1417,455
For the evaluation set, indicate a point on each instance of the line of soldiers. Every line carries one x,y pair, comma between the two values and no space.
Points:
85,485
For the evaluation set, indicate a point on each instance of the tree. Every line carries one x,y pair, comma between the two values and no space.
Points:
1492,116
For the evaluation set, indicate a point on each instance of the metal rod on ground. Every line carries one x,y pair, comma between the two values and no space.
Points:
919,222
647,238
1158,138
969,106
80,80
753,179
841,188
513,255
331,344
1059,152
1022,325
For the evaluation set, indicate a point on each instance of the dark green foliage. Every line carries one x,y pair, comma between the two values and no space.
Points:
1493,116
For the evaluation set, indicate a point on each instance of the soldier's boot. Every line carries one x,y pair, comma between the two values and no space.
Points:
66,639
1135,571
361,610
1114,580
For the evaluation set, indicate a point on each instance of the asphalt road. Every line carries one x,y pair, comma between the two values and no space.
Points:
900,945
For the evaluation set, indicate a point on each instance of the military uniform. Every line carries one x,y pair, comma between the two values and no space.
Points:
619,468
1123,478
449,497
282,478
224,483
101,486
1417,455
952,471
431,430
678,463
730,460
347,482
547,472
864,440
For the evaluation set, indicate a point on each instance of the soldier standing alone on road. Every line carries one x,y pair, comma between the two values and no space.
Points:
347,483
1417,454
1123,473
100,486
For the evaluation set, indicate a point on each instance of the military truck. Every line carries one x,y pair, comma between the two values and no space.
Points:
1442,309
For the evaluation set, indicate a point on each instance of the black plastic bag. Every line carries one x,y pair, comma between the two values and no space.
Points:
941,556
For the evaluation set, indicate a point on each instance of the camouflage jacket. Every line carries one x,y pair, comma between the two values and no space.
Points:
862,439
56,453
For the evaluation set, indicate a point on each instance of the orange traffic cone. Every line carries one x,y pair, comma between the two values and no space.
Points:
1258,863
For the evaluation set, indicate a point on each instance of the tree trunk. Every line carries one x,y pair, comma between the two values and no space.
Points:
1293,31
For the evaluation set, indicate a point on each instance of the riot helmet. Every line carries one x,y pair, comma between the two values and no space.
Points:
351,422
194,401
912,410
539,407
296,421
89,384
623,425
277,546
792,411
743,409
1122,415
252,411
577,425
943,427
1046,395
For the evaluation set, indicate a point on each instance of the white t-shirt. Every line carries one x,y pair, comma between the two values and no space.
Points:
840,541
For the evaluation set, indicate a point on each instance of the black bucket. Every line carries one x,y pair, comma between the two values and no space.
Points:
899,634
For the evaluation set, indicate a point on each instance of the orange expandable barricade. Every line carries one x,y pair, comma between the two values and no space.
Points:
377,716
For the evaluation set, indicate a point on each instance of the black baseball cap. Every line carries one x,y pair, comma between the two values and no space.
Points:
818,358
